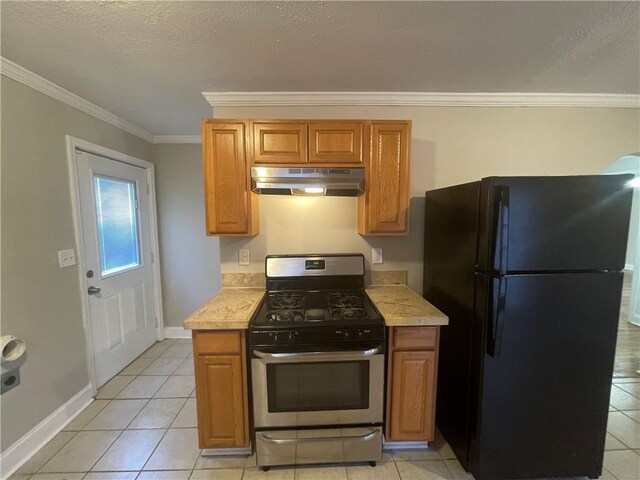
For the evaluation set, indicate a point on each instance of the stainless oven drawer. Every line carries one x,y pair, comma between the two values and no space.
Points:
354,377
289,447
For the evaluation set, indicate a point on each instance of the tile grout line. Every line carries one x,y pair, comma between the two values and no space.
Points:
148,399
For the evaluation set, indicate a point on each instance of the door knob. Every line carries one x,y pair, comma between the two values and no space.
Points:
93,290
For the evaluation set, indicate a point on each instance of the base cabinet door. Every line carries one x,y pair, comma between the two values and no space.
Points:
412,406
221,397
411,384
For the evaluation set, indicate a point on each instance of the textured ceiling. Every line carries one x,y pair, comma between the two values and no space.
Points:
148,62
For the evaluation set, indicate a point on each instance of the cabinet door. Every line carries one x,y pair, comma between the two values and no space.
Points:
335,142
385,208
226,183
412,396
275,142
222,420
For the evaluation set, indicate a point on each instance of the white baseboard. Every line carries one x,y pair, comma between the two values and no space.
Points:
629,266
221,452
176,332
22,450
403,445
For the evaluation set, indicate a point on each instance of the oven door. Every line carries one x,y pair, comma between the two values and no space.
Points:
318,387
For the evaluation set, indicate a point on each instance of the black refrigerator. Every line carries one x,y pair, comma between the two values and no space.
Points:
528,269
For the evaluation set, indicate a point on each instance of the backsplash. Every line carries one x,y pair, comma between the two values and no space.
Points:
307,225
257,279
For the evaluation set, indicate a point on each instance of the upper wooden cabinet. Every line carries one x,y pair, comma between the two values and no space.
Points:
276,142
230,147
384,207
229,203
335,142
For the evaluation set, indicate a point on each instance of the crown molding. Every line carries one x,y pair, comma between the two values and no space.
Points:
177,139
41,84
420,99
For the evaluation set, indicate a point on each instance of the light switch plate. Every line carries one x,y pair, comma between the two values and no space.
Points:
243,256
67,258
376,255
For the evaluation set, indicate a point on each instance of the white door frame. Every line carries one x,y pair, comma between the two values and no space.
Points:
634,300
74,144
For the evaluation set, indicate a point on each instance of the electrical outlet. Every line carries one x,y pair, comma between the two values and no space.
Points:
243,256
67,258
376,255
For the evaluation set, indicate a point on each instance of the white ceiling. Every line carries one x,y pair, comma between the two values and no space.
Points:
149,61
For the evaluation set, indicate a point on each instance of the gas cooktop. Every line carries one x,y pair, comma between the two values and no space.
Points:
300,309
316,299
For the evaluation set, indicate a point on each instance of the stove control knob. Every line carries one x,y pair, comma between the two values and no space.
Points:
291,336
275,337
359,333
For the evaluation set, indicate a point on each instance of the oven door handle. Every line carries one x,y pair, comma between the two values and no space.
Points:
350,354
284,441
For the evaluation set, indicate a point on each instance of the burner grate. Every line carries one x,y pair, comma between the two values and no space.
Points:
285,315
286,300
348,314
344,300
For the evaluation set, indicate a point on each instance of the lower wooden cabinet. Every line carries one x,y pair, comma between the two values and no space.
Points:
221,389
412,384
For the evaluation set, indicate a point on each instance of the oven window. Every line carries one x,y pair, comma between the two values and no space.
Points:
299,387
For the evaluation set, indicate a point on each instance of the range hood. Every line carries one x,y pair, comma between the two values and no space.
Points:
336,182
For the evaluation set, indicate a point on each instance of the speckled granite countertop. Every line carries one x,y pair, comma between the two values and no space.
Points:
233,306
402,307
230,308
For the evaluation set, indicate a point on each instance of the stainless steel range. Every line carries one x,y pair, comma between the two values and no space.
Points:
317,349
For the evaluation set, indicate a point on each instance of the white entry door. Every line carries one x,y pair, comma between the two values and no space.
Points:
114,204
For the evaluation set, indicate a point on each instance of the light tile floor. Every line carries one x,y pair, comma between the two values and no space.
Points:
142,426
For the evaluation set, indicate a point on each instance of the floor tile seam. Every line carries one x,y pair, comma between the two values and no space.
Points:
80,471
627,447
154,451
157,390
136,415
31,474
609,472
395,465
92,468
127,425
451,474
624,412
630,393
170,398
105,451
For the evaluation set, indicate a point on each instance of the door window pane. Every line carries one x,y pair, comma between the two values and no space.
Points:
117,224
296,387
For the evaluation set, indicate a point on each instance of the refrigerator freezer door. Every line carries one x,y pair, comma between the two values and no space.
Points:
559,224
541,398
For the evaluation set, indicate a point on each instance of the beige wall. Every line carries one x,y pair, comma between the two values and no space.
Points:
189,259
41,302
450,145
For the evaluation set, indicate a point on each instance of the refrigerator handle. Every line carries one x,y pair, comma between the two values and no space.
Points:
501,234
497,303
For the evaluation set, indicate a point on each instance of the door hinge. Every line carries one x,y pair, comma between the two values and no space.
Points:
148,189
157,323
153,258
